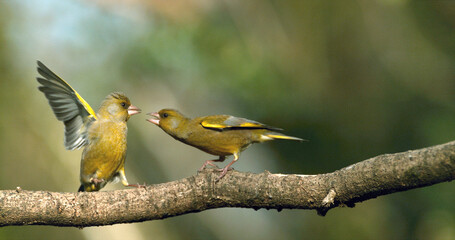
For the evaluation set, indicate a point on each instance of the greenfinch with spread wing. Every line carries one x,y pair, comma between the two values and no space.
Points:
220,135
102,134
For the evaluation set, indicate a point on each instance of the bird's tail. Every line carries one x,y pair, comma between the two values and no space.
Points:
277,135
81,188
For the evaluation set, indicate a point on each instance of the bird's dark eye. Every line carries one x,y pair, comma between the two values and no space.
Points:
165,115
123,104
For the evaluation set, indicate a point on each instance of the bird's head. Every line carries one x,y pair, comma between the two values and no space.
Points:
117,107
167,119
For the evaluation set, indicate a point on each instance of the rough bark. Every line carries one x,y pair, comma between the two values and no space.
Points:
368,179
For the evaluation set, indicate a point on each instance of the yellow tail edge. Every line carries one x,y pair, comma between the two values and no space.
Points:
285,137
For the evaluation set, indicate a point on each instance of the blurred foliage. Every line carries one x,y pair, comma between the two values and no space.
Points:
356,78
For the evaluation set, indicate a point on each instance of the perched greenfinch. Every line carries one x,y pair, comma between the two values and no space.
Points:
220,135
103,134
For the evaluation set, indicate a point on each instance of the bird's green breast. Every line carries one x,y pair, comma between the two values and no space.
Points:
106,152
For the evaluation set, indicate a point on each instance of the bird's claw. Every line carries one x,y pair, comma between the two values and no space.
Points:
137,185
201,169
223,172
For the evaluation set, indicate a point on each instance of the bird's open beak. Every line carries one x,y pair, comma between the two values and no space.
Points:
155,118
132,110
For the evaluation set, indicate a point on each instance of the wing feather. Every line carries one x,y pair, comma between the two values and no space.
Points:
68,106
224,122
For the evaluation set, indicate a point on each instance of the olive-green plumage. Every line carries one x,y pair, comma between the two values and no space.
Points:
103,134
104,157
220,135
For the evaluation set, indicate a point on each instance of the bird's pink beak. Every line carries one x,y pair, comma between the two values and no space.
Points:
132,110
155,118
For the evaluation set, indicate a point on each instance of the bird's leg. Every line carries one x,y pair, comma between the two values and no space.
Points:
210,162
125,183
228,167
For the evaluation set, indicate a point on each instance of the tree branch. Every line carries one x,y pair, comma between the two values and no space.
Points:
368,179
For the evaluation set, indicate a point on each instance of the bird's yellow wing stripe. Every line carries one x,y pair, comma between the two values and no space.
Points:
282,136
85,104
250,124
212,125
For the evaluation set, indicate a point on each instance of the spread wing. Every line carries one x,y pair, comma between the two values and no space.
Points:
223,122
68,106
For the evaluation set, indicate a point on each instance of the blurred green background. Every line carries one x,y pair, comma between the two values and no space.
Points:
356,78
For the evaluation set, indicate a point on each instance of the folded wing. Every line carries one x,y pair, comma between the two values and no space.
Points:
224,122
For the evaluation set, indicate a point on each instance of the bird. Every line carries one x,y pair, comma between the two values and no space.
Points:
102,134
219,135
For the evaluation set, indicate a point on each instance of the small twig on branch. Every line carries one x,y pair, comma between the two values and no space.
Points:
368,179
